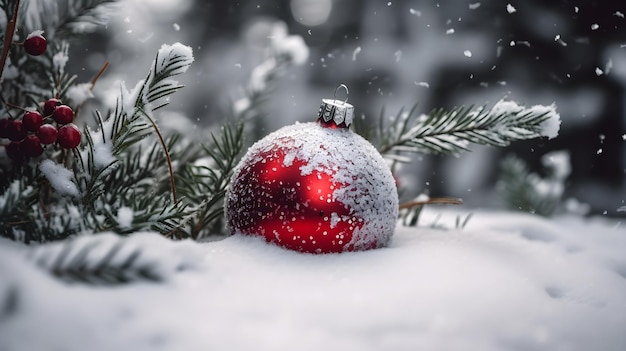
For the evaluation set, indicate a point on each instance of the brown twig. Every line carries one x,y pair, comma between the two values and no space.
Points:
8,38
167,156
435,200
8,104
100,72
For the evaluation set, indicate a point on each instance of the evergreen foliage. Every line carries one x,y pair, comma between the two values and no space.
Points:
105,259
526,191
450,132
129,177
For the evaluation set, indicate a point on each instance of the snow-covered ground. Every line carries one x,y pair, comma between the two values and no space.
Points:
505,282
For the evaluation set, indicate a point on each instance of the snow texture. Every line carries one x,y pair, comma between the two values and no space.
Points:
558,163
79,93
34,33
505,282
346,157
125,217
60,178
59,60
290,46
549,128
176,51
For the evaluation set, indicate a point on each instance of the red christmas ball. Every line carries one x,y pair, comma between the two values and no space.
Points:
314,187
32,120
31,146
35,44
50,105
63,114
69,136
47,134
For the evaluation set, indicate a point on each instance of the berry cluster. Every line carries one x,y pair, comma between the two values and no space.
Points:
28,134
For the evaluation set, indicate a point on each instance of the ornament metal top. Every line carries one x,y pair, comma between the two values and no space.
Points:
336,113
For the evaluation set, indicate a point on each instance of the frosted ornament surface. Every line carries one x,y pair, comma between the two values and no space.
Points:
314,189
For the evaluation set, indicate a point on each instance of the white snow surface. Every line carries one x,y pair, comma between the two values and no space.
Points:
505,282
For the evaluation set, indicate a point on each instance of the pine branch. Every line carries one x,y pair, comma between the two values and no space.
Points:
16,203
67,19
129,124
451,132
209,177
97,260
523,190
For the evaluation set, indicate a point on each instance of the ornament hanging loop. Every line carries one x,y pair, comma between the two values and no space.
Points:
347,92
340,112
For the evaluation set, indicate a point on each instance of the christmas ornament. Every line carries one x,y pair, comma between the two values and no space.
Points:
315,187
69,136
63,114
35,44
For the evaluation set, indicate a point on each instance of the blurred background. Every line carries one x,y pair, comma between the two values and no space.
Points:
395,54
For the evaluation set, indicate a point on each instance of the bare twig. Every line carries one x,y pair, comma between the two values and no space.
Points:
435,200
8,38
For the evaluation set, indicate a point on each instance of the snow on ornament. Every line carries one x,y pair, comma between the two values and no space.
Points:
315,187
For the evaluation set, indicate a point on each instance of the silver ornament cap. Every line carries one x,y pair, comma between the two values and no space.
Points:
338,111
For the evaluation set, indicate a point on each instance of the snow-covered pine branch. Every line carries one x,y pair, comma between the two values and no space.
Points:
128,123
204,182
451,132
107,259
64,19
523,190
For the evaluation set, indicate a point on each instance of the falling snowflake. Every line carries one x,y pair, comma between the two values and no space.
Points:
510,8
467,53
356,52
415,12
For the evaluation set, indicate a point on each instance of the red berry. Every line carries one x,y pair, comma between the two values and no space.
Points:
14,151
17,131
50,105
4,127
47,134
63,114
35,44
32,120
31,146
69,136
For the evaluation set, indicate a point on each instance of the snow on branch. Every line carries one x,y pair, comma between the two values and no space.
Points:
109,259
67,18
133,106
451,132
